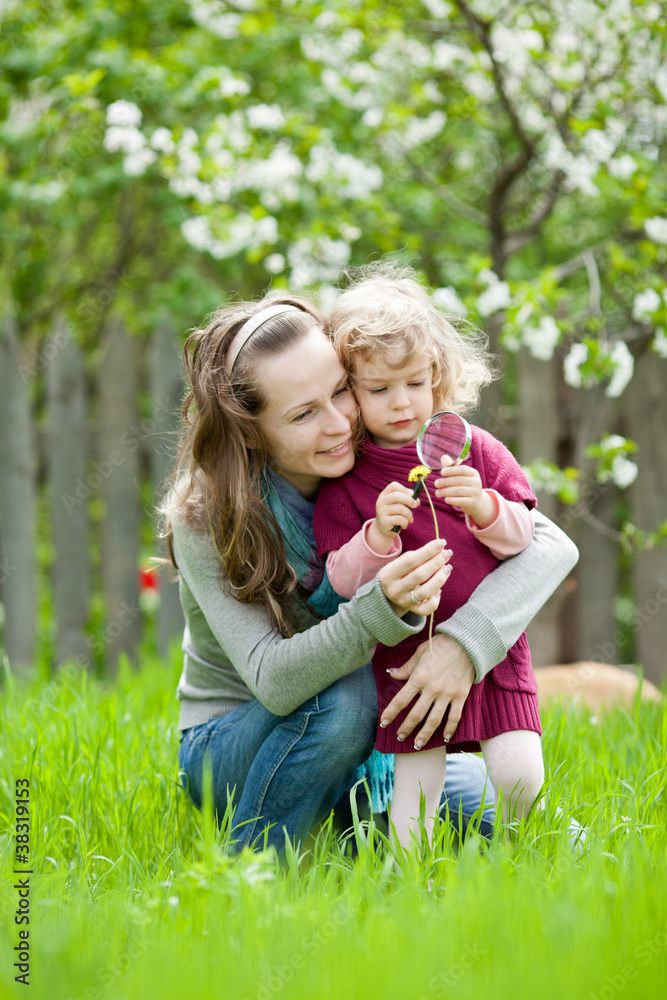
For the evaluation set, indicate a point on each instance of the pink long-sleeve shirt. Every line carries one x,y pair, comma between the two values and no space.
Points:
355,563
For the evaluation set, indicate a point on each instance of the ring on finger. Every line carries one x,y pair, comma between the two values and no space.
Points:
414,599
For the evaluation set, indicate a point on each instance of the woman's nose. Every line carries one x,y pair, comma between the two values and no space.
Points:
336,421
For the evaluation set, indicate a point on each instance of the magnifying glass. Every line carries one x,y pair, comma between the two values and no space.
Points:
444,433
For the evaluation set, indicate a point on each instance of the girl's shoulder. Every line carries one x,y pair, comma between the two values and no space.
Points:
498,467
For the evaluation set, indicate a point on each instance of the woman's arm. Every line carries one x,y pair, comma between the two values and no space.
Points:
283,673
506,600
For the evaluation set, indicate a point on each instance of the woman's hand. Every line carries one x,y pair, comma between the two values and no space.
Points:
442,677
420,573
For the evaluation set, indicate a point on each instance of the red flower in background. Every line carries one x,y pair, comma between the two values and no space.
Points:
149,579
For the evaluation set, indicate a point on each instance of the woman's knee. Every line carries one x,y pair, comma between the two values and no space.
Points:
348,713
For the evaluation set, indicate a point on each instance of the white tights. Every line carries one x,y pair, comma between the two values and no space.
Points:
515,765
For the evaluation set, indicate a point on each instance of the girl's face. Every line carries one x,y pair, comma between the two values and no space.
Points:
394,402
310,413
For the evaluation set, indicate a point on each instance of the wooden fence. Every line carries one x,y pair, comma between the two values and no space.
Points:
93,445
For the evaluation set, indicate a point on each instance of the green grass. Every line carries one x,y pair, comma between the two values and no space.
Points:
134,896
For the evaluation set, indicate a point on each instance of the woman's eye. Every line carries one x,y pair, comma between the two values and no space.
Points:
343,389
301,416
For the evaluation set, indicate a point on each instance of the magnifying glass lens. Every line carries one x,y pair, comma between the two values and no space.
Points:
444,434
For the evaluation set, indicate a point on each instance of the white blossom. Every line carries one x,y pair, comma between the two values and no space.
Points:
494,298
576,357
274,263
656,229
645,304
349,233
128,139
266,116
208,15
232,86
438,8
598,145
313,261
421,130
659,343
123,113
622,358
162,140
612,442
541,340
135,164
47,193
373,117
447,299
623,471
445,55
622,168
350,177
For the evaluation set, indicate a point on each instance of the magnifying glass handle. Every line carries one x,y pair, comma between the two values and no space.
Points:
415,493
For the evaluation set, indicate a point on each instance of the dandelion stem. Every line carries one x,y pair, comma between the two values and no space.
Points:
437,535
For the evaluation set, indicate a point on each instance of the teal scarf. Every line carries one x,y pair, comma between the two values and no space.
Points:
294,516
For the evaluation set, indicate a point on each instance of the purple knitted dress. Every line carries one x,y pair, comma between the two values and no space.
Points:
506,699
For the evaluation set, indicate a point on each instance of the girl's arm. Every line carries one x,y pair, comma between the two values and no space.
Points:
283,673
355,563
501,607
511,530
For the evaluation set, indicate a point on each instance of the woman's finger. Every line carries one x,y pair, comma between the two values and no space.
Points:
433,722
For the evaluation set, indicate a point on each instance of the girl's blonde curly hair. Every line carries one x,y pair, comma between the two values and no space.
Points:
386,308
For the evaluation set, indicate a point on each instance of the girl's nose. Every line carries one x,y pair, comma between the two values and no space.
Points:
401,399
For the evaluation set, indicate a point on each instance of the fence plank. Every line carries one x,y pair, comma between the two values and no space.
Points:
538,438
18,462
167,388
70,491
646,409
116,473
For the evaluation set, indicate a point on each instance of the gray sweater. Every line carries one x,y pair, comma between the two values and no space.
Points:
232,652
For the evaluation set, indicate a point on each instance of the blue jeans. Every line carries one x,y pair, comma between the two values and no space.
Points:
288,772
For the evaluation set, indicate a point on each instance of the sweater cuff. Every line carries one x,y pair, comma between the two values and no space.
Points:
478,635
381,620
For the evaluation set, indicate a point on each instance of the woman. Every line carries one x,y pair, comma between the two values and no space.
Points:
276,688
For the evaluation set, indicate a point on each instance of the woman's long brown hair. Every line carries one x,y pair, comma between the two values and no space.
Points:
216,484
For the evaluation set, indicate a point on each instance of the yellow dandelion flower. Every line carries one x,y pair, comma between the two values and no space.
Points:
419,472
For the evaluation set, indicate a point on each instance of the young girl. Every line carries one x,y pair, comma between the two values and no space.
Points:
406,361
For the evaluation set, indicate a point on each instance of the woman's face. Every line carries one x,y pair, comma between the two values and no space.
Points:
310,413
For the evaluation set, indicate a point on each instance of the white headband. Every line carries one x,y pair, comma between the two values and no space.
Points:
251,326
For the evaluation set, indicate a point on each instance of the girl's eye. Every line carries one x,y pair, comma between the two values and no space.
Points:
417,384
374,392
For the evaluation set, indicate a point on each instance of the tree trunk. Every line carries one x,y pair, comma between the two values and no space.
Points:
66,388
17,504
117,474
167,386
647,425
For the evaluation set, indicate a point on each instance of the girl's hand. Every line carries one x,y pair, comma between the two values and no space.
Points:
391,507
462,487
422,572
